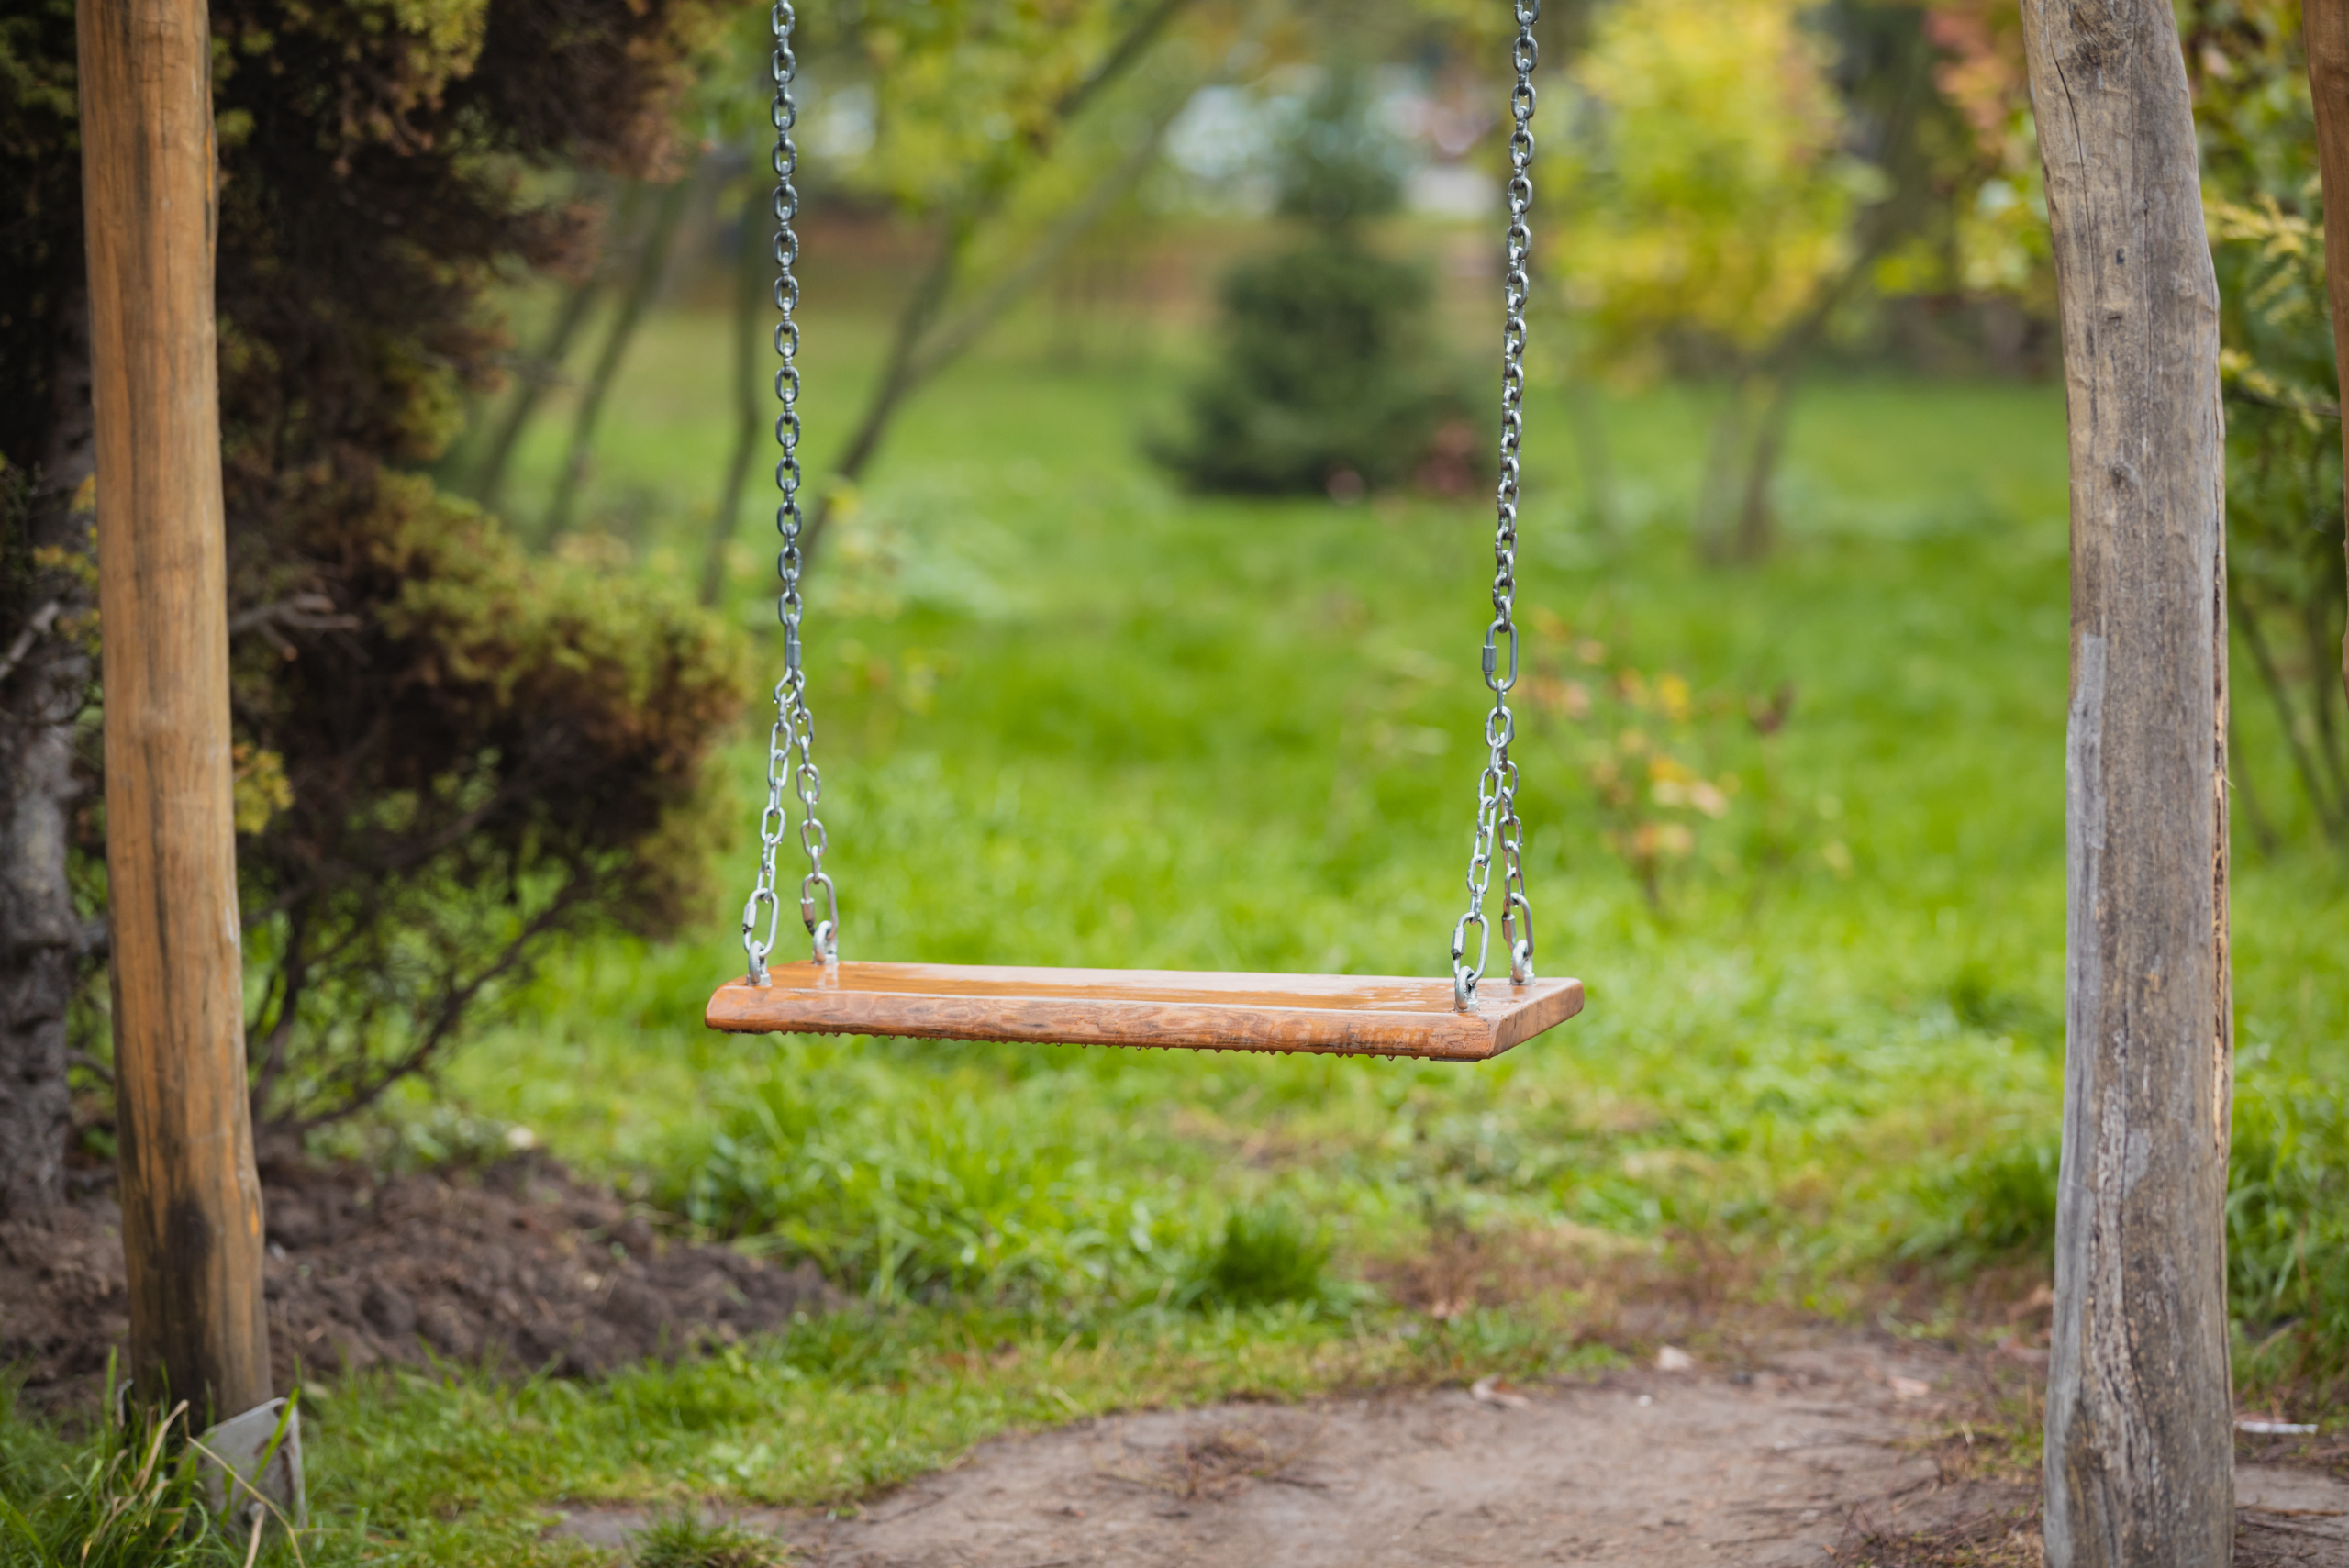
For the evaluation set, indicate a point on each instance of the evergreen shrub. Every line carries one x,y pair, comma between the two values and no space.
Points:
1329,377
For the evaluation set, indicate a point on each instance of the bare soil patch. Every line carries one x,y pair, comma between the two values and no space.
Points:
518,1264
1846,1452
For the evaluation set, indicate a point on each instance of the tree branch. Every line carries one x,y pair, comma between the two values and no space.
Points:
35,629
908,367
969,324
453,1007
651,265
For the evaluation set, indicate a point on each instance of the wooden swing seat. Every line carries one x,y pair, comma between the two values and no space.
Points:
1338,1014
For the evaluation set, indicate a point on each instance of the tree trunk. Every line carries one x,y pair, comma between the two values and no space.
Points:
2326,26
1757,512
651,265
754,289
487,481
42,694
191,1201
914,354
1735,520
1730,465
2139,1458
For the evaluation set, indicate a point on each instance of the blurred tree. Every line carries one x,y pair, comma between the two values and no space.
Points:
1991,237
481,457
1328,378
1339,162
48,591
977,105
2264,207
650,266
446,754
974,106
1722,204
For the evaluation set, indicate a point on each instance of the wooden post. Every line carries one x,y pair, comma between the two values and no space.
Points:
191,1202
2326,27
2140,1433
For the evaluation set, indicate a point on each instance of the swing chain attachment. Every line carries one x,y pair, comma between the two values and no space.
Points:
1498,829
793,731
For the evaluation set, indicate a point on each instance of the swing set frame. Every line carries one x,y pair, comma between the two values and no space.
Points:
2139,1416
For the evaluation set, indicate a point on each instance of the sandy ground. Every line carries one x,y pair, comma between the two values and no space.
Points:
1851,1451
1845,1453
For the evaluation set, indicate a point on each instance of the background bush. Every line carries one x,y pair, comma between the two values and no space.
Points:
449,756
1330,378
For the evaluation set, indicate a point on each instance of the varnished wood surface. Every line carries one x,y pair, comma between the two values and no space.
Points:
1336,1014
2139,1453
191,1203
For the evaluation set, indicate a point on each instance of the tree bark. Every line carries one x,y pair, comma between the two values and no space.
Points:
191,1201
42,694
2139,1458
2325,24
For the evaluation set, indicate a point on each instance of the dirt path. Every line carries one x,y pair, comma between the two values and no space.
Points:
1834,1453
1644,1469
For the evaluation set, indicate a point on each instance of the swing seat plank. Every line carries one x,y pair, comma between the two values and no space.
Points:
1342,1014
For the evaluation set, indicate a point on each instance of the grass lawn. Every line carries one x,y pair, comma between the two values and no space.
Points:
1070,715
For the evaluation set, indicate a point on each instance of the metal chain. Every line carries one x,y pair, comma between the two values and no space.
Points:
793,731
1496,823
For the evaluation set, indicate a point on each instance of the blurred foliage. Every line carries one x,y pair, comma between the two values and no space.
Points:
2264,206
1330,378
1339,159
447,756
1721,203
1328,381
2287,1232
1707,184
1651,751
969,94
1986,173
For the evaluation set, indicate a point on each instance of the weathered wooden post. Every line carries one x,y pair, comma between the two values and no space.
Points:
2326,27
2139,1431
191,1202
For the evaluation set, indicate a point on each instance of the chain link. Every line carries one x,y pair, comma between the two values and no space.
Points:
1497,825
793,731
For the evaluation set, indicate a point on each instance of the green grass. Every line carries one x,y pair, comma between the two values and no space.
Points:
681,1538
1083,719
132,1494
1069,716
459,1468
